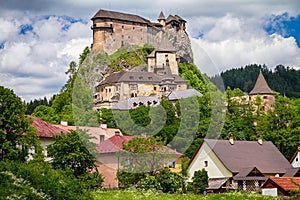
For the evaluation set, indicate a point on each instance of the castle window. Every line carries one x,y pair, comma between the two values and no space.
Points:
131,77
141,78
128,36
133,28
109,90
150,78
123,27
154,88
122,36
110,26
265,97
122,43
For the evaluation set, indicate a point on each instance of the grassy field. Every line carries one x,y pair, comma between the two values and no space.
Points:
136,195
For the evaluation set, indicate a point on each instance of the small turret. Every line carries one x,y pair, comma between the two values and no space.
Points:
161,19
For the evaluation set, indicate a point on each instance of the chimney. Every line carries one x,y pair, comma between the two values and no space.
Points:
64,123
231,141
103,125
260,141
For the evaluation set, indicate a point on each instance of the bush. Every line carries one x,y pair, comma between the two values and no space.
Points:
165,181
39,181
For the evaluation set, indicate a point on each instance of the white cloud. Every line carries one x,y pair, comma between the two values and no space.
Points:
34,64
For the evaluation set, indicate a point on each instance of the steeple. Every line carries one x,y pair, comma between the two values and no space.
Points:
161,19
161,16
261,86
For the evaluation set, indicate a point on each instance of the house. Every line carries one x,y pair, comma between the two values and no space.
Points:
109,159
237,164
280,186
295,160
112,29
45,132
98,134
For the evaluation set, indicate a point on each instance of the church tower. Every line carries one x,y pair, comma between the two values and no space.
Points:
161,19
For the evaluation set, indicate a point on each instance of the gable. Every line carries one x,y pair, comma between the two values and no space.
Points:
215,168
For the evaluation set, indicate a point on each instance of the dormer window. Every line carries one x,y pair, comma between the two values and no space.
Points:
131,77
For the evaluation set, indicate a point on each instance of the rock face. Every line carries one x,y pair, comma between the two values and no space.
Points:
97,64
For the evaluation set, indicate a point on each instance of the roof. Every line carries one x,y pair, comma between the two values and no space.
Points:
161,16
216,183
44,129
261,86
113,144
292,172
131,76
295,154
286,183
181,94
120,16
94,132
245,154
136,102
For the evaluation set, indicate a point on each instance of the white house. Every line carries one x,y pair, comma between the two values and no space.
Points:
237,164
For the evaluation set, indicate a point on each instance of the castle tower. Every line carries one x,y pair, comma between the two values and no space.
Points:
262,89
161,19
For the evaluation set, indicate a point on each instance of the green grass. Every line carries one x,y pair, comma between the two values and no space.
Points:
143,195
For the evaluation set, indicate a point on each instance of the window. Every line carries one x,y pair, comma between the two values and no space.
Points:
122,26
154,88
141,78
109,90
131,77
101,138
205,163
172,164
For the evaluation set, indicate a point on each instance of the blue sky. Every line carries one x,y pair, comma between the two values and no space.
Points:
39,40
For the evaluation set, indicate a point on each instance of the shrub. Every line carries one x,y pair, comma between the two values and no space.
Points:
200,182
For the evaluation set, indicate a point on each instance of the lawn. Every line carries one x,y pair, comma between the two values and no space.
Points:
135,194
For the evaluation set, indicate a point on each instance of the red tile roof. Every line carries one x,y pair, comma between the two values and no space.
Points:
44,129
113,144
286,183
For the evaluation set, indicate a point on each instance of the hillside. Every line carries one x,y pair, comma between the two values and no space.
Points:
282,79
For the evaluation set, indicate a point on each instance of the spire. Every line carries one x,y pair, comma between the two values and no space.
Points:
261,86
161,16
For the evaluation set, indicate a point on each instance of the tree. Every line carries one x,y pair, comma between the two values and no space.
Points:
17,135
74,151
200,182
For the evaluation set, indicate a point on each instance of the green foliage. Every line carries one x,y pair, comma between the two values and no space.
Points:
284,80
165,181
74,151
39,181
17,135
200,182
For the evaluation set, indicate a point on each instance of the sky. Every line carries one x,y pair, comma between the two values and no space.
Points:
38,39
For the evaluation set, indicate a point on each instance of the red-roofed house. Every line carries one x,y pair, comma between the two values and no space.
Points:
283,184
45,132
109,161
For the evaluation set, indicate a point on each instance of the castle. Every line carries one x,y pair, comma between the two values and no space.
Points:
111,30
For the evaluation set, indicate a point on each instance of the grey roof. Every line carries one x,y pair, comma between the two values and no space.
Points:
261,86
112,78
136,102
182,94
120,16
244,154
216,183
292,172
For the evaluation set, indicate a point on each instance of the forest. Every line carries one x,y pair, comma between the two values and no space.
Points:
282,79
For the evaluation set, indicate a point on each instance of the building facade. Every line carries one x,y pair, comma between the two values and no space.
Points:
111,29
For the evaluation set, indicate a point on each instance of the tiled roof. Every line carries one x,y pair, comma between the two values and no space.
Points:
113,144
44,129
112,78
181,94
244,154
261,86
286,183
120,16
94,132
